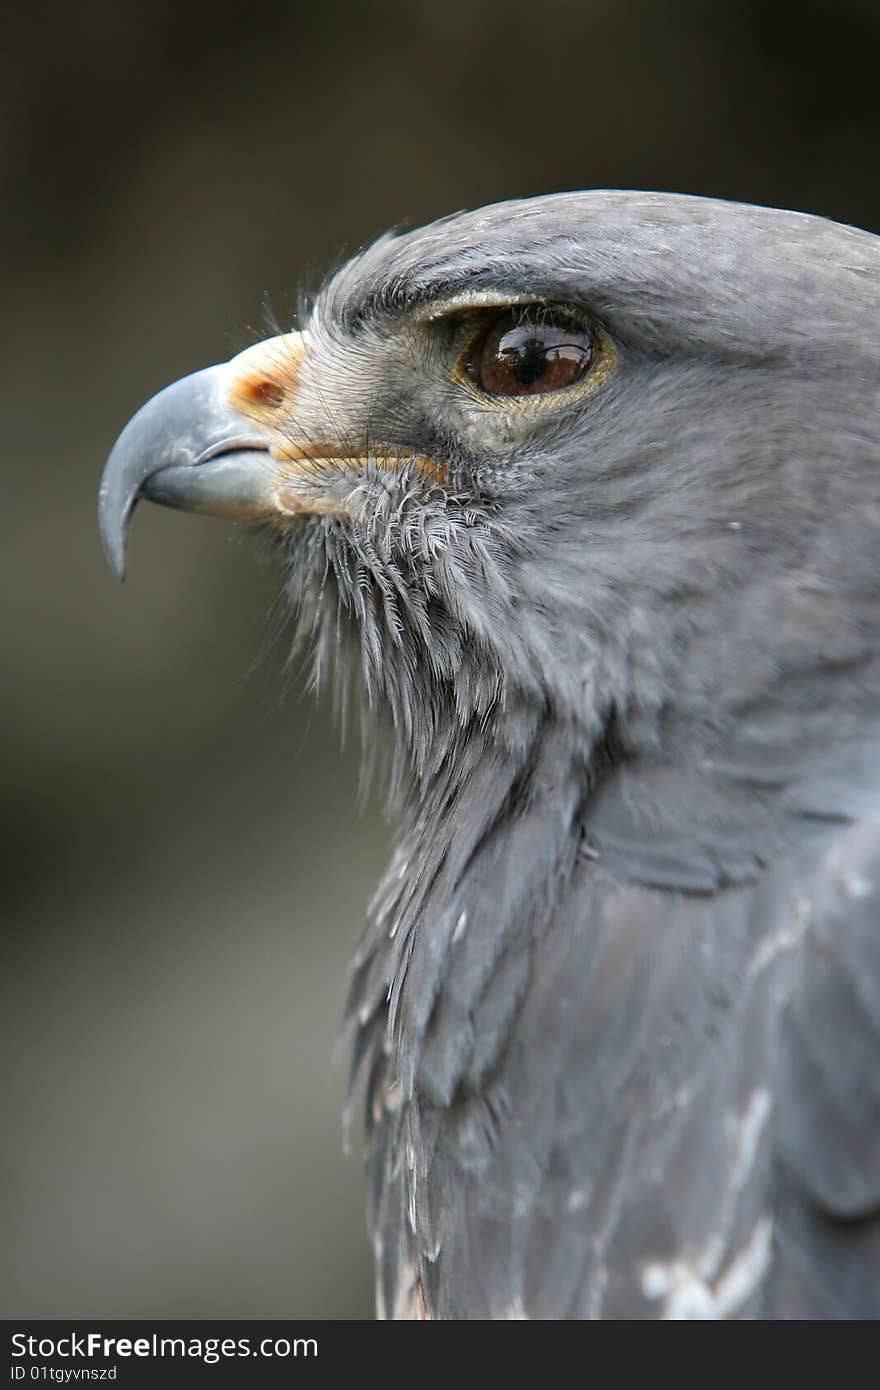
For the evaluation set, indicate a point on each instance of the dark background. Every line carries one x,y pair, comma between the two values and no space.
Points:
183,863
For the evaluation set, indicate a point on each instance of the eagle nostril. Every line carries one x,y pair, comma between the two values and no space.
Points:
264,392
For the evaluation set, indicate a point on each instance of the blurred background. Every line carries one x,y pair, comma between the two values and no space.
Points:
184,866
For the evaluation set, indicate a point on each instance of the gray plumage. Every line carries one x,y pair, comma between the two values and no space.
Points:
616,1012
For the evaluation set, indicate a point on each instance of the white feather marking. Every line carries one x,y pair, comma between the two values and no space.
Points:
688,1294
786,939
515,1312
856,886
694,1288
578,1198
748,1135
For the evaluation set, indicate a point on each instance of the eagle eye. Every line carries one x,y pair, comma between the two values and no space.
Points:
531,350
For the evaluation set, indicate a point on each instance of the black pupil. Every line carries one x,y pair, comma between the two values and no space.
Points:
528,360
532,353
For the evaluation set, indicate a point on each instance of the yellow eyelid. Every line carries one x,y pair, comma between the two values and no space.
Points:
470,300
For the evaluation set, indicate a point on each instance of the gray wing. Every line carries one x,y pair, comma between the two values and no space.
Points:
679,1115
828,1223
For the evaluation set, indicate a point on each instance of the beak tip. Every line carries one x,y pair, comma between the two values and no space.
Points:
114,549
113,538
116,561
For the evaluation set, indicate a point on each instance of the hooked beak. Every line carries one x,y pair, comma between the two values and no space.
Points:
211,443
230,441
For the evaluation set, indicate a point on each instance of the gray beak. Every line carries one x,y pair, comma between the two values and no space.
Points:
244,440
188,447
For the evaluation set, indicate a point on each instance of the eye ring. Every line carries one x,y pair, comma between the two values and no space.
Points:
532,355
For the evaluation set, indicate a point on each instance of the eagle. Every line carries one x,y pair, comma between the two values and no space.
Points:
577,505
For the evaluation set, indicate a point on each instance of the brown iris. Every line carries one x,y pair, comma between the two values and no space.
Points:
531,350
